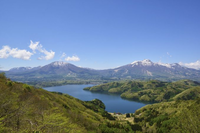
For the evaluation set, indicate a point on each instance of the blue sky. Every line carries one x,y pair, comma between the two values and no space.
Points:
99,34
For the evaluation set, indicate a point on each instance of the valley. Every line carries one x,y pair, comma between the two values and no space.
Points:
99,66
152,97
28,109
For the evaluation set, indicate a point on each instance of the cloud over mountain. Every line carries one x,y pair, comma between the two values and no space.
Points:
73,58
194,65
36,46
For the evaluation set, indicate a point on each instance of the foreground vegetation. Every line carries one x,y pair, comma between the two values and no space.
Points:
174,117
165,117
151,91
24,108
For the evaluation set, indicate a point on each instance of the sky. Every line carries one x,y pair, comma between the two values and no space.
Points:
99,34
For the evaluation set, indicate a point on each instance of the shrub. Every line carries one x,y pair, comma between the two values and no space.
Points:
128,115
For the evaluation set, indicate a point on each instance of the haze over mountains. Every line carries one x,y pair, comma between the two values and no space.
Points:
141,70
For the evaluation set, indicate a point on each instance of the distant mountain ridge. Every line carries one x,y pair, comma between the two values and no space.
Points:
147,68
22,69
141,70
148,62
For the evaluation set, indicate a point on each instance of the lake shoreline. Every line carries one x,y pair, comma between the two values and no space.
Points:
113,103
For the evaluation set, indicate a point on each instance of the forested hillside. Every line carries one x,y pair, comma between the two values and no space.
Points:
24,108
151,91
170,117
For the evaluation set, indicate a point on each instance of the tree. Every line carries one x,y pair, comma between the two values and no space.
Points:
128,115
2,75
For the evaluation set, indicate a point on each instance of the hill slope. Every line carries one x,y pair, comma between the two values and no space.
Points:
24,108
169,117
147,91
192,93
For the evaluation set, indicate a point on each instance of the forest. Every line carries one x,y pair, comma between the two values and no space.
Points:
152,90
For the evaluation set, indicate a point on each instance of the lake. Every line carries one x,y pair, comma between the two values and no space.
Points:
113,103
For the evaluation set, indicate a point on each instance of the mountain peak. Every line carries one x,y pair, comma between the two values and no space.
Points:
59,63
145,62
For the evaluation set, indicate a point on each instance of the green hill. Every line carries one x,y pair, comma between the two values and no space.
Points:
147,91
24,108
192,93
169,117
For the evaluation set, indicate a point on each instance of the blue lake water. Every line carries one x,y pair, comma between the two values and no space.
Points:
113,103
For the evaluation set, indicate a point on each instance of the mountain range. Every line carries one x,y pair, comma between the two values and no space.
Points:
141,70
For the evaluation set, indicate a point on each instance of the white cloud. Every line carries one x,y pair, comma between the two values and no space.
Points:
48,55
36,46
194,65
22,54
6,51
63,55
169,54
73,58
33,45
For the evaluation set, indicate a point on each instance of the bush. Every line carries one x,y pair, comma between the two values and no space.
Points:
128,115
25,86
9,83
2,75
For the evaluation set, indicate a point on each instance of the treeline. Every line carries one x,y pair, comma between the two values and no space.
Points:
151,91
40,84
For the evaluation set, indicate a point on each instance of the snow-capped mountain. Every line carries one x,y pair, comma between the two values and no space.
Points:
60,68
145,69
145,62
148,62
54,71
59,63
